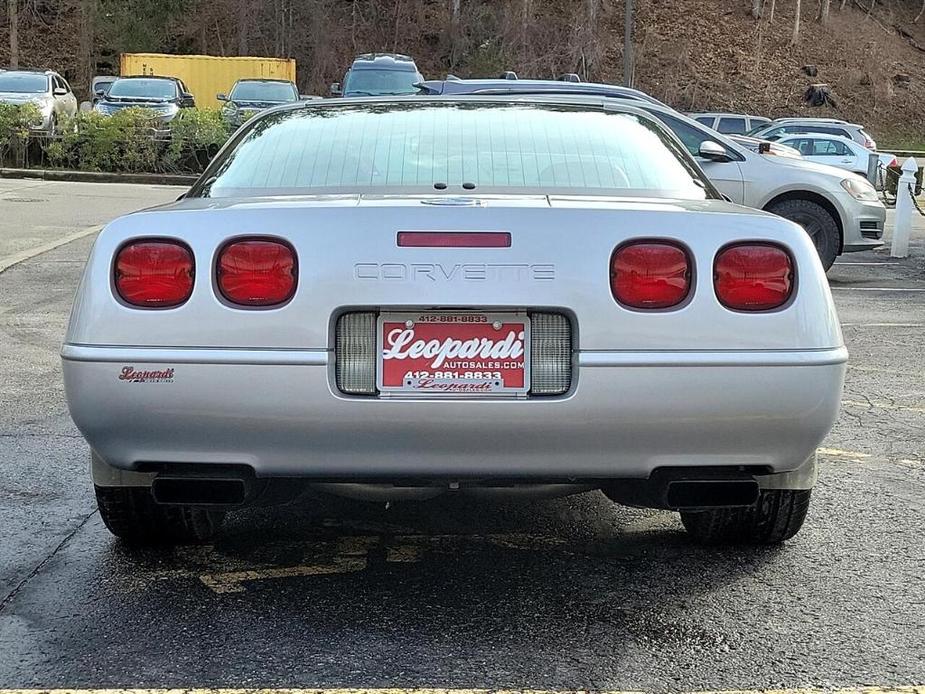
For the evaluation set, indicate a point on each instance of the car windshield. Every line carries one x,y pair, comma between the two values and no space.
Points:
23,83
143,89
264,91
380,82
418,147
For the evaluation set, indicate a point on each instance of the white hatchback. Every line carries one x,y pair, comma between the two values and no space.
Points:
840,152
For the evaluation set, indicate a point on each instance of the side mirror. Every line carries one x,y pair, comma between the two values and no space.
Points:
59,91
335,89
100,93
221,96
764,147
306,97
187,101
714,152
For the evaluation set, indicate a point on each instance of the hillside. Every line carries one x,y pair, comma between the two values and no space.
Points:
693,54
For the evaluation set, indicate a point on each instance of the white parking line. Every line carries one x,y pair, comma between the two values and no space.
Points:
901,689
16,258
864,264
883,325
878,289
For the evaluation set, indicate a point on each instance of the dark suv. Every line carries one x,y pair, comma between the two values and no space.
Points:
249,96
162,96
377,74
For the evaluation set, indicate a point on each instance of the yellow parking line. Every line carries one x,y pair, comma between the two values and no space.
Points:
874,405
838,453
903,689
231,582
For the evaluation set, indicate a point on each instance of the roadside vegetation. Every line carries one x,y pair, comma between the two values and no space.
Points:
126,142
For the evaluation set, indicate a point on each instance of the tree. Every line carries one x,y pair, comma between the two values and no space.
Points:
796,24
824,11
628,67
756,8
14,33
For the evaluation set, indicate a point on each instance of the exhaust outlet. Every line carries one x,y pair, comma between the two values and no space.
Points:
695,495
206,491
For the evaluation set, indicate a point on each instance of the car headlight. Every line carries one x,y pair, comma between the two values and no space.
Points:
859,189
44,105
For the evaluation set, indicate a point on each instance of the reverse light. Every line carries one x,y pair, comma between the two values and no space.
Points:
753,276
650,274
256,272
154,273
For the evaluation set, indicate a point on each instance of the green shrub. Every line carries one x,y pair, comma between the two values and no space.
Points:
94,142
15,123
195,136
132,141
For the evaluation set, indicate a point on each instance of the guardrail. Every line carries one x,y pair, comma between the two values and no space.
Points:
904,153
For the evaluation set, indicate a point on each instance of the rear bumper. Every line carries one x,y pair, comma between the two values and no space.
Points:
627,414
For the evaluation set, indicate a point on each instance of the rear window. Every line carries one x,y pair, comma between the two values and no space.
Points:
373,82
420,147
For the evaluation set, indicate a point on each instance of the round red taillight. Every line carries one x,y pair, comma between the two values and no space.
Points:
154,273
753,276
650,274
256,272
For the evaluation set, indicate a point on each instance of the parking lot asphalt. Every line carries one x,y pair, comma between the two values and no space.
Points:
569,594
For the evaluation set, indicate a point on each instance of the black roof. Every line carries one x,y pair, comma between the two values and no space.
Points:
263,79
518,86
148,77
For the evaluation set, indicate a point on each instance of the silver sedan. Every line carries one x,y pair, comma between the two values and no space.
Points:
401,297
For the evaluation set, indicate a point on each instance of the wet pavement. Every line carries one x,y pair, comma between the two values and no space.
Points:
575,593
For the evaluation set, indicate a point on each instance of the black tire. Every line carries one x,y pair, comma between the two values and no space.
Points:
777,516
818,223
131,513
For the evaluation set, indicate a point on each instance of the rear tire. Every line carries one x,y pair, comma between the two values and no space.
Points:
778,515
818,223
132,514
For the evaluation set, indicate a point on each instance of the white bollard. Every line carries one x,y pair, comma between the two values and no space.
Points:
902,226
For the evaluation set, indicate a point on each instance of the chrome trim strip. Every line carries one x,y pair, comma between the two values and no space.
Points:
820,357
321,357
196,355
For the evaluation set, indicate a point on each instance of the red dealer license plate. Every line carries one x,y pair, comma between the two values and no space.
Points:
454,353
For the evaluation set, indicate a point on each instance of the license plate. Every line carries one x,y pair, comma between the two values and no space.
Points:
466,353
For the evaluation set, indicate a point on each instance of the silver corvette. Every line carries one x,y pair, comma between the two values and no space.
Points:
397,298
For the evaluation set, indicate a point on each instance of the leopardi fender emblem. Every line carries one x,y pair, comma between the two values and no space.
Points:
133,375
402,345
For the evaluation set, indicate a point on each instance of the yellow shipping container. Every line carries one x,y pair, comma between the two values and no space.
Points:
206,75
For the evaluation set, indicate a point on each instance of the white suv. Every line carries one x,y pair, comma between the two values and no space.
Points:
48,90
841,211
731,123
822,126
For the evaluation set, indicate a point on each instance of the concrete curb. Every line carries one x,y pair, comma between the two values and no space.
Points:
100,177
